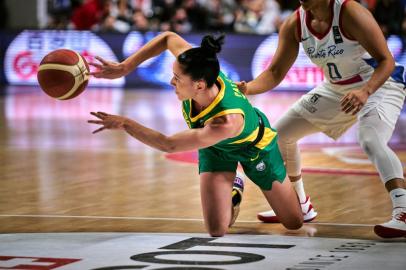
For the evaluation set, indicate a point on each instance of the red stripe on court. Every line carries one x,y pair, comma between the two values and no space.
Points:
338,171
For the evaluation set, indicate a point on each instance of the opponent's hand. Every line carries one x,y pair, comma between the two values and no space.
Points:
353,101
107,121
242,86
107,69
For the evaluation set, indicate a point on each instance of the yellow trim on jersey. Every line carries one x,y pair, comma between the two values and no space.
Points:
186,118
218,98
230,111
269,135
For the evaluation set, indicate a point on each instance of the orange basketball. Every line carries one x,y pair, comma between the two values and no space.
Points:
63,74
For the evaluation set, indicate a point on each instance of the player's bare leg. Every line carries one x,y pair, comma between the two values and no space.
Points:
284,202
216,196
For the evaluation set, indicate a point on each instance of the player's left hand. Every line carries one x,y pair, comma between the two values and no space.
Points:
108,121
353,101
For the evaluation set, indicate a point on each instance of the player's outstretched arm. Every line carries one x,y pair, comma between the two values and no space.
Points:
216,130
285,56
164,41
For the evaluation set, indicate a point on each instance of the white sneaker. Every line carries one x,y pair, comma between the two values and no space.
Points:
238,189
307,209
396,227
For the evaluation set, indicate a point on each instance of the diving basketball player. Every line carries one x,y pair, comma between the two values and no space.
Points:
223,126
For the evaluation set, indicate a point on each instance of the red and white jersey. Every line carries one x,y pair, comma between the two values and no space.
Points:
343,60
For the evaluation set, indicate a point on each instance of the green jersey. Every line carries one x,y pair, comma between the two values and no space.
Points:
231,101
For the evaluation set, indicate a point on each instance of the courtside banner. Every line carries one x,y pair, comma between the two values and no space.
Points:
25,52
243,57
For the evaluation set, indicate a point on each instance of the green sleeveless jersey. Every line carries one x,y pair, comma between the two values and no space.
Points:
229,101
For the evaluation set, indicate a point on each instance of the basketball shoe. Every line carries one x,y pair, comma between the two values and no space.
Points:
396,227
307,209
238,189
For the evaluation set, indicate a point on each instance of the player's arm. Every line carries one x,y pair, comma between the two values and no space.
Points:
164,41
358,23
214,131
285,55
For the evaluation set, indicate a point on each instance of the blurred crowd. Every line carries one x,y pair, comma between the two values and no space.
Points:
183,16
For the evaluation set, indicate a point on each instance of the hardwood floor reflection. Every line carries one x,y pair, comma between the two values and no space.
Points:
58,177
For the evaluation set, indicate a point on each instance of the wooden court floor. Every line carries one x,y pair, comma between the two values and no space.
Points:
58,177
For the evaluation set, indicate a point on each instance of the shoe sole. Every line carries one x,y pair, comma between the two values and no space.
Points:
386,232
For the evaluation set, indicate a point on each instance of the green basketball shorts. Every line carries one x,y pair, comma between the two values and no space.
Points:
263,167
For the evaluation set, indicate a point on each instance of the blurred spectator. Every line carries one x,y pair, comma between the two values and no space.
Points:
257,16
119,18
60,12
287,8
162,13
180,22
145,6
3,14
126,15
196,14
220,15
389,14
91,15
403,27
140,21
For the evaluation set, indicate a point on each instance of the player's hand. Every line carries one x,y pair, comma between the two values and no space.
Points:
242,86
107,121
107,69
353,101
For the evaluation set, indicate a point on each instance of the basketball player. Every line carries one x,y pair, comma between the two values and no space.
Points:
361,82
223,126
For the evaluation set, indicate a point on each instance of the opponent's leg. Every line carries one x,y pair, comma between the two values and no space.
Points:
373,136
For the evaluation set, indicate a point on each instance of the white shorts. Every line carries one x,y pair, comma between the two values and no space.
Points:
321,106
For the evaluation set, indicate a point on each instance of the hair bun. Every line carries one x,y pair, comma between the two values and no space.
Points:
212,44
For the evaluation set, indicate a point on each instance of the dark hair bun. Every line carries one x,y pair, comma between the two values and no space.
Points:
212,44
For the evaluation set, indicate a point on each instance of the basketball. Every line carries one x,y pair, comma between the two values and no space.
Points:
63,74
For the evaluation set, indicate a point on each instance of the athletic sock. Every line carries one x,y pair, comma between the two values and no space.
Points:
298,186
398,196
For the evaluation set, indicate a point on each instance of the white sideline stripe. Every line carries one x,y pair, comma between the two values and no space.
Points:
174,219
